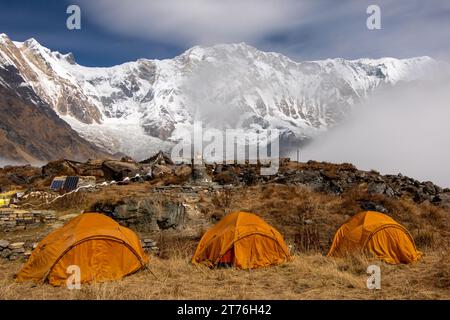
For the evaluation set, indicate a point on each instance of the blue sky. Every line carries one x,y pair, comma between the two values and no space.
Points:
116,31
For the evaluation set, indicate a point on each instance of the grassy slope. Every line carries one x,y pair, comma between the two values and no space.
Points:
309,276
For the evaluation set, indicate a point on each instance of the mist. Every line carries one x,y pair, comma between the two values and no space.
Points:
7,162
404,129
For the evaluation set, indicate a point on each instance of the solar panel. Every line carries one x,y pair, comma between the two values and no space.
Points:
56,184
71,183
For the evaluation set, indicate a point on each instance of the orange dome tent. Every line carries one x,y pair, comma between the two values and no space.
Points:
376,233
243,240
102,249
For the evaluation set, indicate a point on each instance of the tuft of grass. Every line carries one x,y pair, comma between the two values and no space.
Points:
425,239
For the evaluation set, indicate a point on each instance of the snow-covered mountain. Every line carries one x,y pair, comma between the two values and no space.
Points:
141,106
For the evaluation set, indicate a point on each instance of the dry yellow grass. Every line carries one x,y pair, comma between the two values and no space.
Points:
307,276
310,275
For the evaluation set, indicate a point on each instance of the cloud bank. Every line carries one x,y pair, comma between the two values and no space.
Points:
401,130
301,29
196,21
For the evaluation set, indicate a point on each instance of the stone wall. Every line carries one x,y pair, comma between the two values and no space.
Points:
16,250
13,219
22,249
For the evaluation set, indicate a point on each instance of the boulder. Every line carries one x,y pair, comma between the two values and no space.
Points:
59,168
377,188
160,170
372,206
172,216
429,188
16,245
118,170
183,171
4,244
148,215
5,253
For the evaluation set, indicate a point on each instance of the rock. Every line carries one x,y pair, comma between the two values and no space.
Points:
183,171
5,253
172,216
59,168
126,211
226,177
16,245
200,174
161,170
14,256
377,188
428,187
149,242
372,206
308,222
436,199
150,215
389,192
335,187
118,170
218,168
4,244
27,253
445,200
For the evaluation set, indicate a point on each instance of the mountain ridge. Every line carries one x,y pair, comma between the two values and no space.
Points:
145,105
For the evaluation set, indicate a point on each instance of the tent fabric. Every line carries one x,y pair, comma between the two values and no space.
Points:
244,239
378,234
102,249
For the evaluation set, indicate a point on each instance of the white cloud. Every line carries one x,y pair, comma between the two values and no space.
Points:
299,28
400,130
195,21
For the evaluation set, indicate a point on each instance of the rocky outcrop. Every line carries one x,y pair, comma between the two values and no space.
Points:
319,176
19,176
145,214
336,179
118,170
33,132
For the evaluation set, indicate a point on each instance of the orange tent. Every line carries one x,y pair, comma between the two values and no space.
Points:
243,240
99,246
376,233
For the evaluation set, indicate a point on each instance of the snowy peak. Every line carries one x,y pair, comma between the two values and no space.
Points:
145,104
43,70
